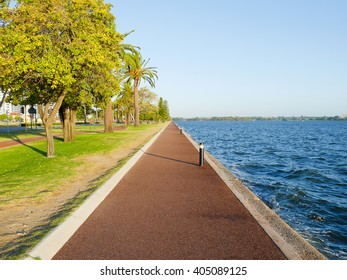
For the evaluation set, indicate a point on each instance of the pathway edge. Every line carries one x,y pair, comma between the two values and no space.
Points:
55,240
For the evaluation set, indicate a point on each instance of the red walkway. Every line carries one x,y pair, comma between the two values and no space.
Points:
168,207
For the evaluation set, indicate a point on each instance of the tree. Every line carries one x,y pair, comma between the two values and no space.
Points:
108,112
148,104
67,114
4,3
83,111
136,70
163,110
3,84
125,101
54,49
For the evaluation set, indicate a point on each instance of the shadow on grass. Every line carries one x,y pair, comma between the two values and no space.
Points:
24,143
15,138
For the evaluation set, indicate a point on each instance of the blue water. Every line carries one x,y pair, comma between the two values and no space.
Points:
299,169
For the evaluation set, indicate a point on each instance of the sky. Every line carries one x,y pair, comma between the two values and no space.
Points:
243,57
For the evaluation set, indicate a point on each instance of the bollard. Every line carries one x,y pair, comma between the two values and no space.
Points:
201,153
181,131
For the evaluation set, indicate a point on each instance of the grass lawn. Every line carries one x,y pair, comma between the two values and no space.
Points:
22,134
27,176
26,172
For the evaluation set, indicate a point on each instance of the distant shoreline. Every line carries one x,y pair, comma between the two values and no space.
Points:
302,118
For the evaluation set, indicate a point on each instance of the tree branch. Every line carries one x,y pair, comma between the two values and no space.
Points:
3,98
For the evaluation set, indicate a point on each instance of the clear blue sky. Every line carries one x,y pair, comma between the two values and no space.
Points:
244,57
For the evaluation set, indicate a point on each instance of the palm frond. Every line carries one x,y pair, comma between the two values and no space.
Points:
126,34
136,68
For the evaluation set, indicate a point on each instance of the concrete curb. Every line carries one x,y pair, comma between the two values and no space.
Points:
55,240
293,245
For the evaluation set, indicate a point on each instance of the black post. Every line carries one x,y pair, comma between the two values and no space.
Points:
201,153
180,130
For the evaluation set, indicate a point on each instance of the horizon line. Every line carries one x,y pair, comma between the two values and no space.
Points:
264,117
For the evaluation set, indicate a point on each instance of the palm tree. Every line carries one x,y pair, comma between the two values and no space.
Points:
136,70
122,49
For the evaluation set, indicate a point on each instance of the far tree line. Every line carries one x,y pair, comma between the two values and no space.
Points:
67,56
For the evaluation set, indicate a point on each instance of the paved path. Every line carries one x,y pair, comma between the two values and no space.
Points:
168,207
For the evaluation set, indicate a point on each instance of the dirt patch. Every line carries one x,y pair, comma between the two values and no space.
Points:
23,224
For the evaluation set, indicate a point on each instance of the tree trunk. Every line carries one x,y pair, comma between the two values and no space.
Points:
47,119
68,118
66,124
108,117
73,113
118,114
50,140
128,118
136,103
85,114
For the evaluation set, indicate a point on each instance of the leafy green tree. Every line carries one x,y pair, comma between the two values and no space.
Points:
4,3
3,81
83,111
3,117
54,49
125,102
136,70
148,104
163,110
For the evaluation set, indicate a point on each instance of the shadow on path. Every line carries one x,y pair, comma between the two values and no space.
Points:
172,159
